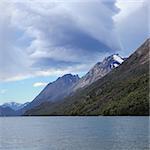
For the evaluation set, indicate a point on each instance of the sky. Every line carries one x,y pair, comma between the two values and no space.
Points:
43,40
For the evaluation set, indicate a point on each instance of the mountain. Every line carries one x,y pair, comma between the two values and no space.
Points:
68,84
55,91
7,111
99,70
123,91
14,106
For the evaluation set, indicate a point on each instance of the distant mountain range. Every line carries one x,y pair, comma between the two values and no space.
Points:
7,111
14,106
115,86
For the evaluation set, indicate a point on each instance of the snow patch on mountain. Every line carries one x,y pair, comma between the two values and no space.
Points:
118,58
116,61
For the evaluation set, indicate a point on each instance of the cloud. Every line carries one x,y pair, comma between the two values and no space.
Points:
132,23
39,84
55,37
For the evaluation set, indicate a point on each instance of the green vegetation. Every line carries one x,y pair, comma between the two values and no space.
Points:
128,97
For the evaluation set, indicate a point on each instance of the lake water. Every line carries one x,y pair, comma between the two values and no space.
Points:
74,133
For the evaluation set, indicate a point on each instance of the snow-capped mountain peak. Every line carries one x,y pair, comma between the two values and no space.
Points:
115,61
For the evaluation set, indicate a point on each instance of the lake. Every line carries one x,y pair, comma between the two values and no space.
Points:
74,133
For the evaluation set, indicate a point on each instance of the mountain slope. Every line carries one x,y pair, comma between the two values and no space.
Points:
123,91
54,91
99,70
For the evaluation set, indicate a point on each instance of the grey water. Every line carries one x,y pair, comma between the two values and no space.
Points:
74,133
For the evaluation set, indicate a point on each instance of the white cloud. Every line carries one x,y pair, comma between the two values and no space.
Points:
39,84
55,37
67,33
132,23
126,8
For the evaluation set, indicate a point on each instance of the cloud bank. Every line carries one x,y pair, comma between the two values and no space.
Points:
39,84
57,37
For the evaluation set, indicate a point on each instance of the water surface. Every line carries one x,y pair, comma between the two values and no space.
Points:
74,133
